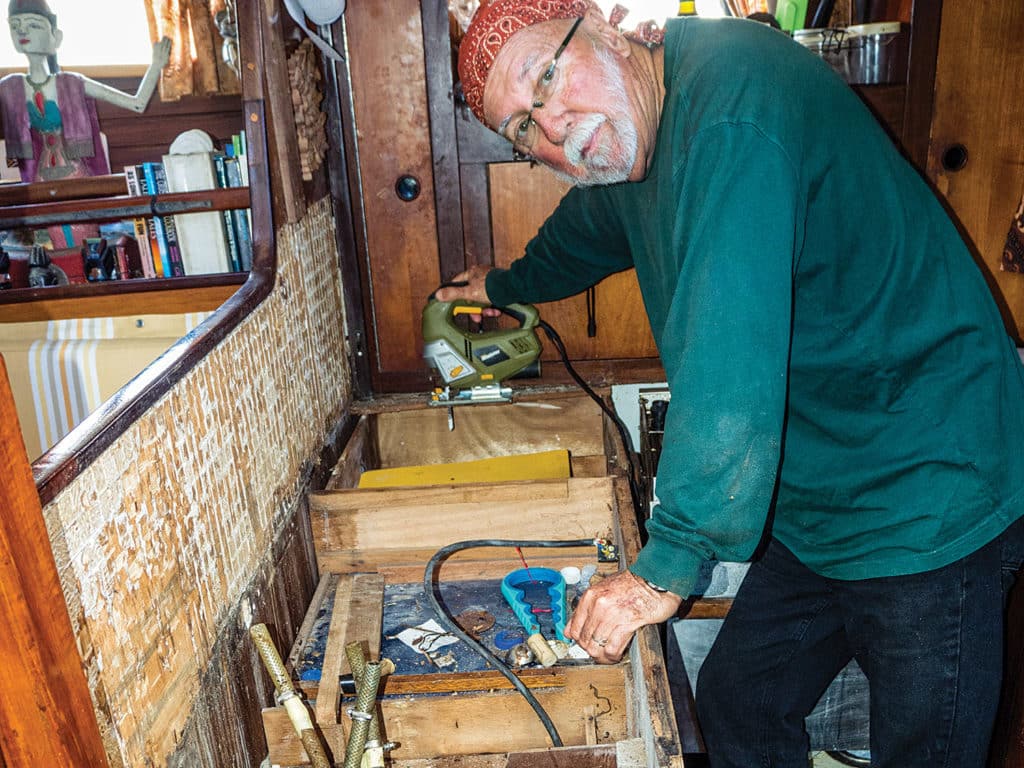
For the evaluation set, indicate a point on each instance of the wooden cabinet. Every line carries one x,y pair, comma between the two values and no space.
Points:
976,153
373,545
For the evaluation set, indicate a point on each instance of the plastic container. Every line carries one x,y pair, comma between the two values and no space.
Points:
864,54
791,14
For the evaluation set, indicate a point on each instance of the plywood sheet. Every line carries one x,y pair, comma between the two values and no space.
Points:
381,519
572,423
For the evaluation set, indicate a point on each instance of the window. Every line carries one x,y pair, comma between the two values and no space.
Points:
122,39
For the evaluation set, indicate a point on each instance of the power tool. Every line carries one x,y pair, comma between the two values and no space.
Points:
474,363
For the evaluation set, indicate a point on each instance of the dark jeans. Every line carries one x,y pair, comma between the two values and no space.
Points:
930,644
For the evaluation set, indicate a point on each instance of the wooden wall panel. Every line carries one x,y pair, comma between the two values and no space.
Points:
978,104
389,95
46,712
134,138
521,198
188,526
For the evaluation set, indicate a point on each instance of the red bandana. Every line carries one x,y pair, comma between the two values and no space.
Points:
491,28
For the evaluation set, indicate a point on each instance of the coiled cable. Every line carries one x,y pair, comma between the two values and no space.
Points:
431,589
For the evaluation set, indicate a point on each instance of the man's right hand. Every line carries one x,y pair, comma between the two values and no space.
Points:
475,289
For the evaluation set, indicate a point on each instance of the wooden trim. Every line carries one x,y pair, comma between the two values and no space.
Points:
66,189
598,373
924,52
338,106
443,139
149,297
476,214
46,712
118,208
62,463
286,183
364,343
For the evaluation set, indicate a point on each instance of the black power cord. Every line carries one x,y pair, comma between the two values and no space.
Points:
431,588
635,477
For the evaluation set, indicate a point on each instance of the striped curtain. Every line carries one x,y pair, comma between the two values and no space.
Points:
63,370
197,66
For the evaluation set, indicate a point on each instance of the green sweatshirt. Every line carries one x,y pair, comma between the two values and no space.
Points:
840,374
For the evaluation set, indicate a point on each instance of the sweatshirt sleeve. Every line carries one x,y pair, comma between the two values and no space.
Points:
580,244
725,352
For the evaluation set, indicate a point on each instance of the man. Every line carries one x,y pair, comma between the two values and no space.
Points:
845,401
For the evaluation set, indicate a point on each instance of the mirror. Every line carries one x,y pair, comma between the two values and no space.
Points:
90,349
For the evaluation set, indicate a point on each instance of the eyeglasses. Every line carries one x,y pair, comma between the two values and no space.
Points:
524,135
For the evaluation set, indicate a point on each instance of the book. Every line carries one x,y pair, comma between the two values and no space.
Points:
229,221
160,261
239,217
166,232
241,154
203,241
139,224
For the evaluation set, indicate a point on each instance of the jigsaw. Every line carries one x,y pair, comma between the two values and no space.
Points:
473,363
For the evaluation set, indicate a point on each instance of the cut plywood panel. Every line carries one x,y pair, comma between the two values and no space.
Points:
558,423
371,523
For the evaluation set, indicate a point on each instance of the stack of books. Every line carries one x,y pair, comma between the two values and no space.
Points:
193,243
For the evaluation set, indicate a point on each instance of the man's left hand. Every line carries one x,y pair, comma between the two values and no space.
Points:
612,610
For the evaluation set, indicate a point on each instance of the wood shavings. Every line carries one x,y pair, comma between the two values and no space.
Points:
310,122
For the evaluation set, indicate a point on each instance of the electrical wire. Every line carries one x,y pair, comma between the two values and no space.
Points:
431,589
634,471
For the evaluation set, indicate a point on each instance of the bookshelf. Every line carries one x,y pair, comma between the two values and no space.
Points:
102,199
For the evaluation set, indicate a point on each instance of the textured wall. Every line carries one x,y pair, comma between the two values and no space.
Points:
162,541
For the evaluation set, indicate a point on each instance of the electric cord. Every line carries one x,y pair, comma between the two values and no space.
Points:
634,476
431,589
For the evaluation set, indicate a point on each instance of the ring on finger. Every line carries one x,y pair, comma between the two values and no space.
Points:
599,643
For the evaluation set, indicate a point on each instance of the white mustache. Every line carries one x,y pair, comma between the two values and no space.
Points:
579,136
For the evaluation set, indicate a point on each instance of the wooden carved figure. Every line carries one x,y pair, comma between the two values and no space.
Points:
49,116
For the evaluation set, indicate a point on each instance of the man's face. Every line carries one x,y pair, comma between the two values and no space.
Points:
584,130
32,33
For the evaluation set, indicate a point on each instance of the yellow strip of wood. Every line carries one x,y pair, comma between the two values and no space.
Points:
545,465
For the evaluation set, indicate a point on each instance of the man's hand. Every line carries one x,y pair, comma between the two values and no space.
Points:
612,610
475,289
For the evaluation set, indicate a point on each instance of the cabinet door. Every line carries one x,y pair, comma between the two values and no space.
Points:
521,198
976,155
392,143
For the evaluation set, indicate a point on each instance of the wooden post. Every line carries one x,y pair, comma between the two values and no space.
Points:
46,712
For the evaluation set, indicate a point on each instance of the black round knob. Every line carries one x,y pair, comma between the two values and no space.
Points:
954,158
407,188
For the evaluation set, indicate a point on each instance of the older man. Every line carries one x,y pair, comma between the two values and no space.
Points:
846,406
